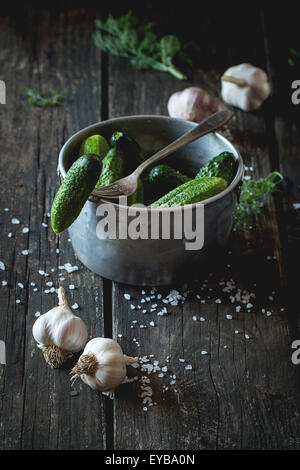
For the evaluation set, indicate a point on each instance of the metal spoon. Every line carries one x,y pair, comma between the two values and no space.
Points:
128,185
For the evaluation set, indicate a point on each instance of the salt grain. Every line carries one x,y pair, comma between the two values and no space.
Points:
15,221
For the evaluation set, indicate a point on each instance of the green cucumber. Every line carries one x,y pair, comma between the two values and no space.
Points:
74,191
193,191
138,196
222,166
95,144
112,167
130,148
163,179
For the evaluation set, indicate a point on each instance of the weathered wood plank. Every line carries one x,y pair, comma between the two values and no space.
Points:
37,409
242,393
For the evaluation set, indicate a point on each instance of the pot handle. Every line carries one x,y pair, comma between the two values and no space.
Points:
238,190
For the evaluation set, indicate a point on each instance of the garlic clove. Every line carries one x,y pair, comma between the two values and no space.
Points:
102,365
59,333
245,87
193,104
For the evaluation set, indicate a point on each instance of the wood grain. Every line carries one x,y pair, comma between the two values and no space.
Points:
243,392
235,397
37,408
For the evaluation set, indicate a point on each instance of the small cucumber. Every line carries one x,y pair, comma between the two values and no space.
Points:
138,196
112,167
130,148
193,191
163,178
223,166
95,144
74,191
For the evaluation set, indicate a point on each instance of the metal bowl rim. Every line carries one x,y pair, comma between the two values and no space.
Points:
233,184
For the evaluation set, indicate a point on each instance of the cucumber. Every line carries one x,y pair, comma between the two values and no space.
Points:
130,148
95,144
222,166
112,167
138,196
163,178
74,191
193,191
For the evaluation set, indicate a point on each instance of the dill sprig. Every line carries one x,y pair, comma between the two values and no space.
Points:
252,196
35,99
126,37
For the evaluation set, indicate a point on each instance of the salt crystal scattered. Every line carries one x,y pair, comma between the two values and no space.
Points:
25,230
75,306
9,235
204,353
71,286
21,285
18,301
15,221
2,266
37,314
57,250
188,367
44,225
4,283
229,317
25,252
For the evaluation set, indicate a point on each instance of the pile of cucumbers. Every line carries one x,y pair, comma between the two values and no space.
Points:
100,164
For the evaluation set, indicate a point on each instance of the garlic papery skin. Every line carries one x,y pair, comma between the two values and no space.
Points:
193,104
245,87
102,364
59,333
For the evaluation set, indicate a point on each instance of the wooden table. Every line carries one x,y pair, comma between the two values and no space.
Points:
244,392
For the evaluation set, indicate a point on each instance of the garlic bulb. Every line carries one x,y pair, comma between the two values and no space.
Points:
245,87
193,104
102,364
59,333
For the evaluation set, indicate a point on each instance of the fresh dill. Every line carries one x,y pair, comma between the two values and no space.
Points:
35,99
252,196
126,37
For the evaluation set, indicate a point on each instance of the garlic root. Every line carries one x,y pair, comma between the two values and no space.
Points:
55,356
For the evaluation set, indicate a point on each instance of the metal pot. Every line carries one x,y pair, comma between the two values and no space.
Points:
153,261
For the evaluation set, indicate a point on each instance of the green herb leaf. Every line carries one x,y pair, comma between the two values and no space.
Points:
35,99
126,37
252,196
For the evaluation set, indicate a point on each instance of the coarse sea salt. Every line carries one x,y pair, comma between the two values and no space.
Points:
25,230
20,285
4,283
68,267
9,235
127,296
2,266
25,252
15,221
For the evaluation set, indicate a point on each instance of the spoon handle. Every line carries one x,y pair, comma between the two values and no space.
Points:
207,125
